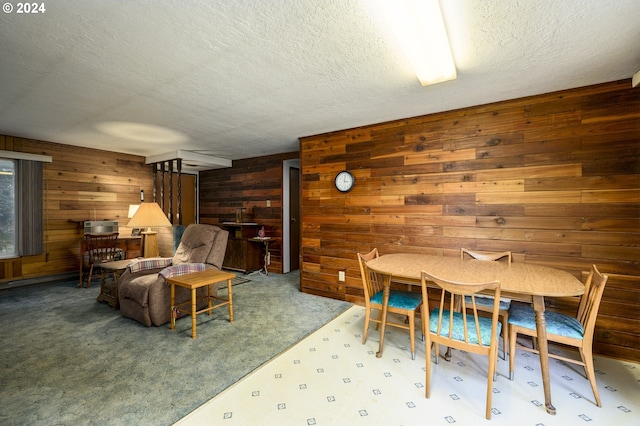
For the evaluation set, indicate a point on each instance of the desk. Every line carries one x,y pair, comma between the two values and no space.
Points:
194,281
518,281
109,291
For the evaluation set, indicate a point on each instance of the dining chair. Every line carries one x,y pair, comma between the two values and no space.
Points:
462,330
100,248
485,303
564,329
400,302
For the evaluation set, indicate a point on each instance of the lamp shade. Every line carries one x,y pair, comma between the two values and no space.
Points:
133,208
149,215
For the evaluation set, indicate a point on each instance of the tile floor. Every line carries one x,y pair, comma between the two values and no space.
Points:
330,378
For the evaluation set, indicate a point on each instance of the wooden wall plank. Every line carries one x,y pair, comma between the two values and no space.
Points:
555,178
80,184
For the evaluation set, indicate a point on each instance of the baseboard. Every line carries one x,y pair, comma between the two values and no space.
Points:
38,280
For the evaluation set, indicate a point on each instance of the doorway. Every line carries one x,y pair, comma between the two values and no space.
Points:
291,216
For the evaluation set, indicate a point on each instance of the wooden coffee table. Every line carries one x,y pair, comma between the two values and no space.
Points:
193,282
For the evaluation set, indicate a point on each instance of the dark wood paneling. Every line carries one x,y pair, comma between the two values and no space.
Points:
555,178
248,184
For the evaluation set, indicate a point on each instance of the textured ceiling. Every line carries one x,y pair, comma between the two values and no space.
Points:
245,78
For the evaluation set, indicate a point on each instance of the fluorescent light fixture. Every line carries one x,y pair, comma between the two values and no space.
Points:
419,27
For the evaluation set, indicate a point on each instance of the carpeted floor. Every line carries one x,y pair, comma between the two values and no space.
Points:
67,359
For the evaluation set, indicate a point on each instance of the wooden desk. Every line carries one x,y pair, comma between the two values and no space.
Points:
518,281
193,282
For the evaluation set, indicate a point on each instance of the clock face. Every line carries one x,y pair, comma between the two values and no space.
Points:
344,181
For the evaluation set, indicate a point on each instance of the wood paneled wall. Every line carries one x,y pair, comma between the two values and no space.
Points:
80,184
249,183
554,178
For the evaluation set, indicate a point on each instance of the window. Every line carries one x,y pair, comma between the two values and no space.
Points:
8,246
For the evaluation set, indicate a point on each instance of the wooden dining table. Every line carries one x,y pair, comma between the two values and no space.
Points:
518,281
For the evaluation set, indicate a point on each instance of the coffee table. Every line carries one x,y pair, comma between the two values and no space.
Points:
193,282
109,290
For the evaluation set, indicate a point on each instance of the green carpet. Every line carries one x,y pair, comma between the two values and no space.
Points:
67,359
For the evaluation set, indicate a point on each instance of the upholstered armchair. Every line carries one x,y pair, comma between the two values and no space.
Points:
143,292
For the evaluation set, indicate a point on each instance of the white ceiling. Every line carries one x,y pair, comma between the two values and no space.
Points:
246,78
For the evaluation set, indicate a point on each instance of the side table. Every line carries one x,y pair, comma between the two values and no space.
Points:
194,281
109,290
267,255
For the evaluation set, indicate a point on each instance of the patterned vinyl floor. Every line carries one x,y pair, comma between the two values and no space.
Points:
330,378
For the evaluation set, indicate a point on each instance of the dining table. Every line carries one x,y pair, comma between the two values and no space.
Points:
523,282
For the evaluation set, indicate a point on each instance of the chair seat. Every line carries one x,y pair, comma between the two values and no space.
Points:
458,327
488,302
559,324
399,299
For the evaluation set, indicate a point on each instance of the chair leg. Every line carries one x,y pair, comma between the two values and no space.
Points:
412,334
587,359
423,321
367,317
512,350
89,277
493,359
428,369
505,334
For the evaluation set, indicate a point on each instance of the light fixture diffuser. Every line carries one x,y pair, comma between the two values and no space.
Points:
420,29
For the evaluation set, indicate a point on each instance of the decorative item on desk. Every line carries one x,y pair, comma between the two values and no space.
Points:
149,215
240,214
261,232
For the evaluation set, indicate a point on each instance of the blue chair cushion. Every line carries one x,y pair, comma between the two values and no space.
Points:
557,323
458,326
399,299
488,302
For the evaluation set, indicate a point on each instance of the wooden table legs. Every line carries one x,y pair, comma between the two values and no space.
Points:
543,347
192,282
383,315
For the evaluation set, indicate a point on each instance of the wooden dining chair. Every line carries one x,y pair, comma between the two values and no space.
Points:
400,302
100,248
564,329
462,330
485,303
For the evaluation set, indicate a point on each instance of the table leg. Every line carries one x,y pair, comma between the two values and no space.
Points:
229,287
172,305
383,314
209,304
543,348
193,313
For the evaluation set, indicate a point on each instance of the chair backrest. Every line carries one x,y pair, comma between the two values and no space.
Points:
202,243
485,255
453,295
371,281
590,301
101,247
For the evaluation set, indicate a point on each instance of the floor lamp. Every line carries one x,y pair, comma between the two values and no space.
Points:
149,215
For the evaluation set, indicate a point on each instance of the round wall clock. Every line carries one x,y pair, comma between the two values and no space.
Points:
345,181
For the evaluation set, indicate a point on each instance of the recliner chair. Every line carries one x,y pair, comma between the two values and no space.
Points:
144,293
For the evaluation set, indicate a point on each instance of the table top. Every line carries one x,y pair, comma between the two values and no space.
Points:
116,264
201,278
515,279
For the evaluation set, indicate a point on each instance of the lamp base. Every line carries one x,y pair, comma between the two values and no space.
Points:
150,244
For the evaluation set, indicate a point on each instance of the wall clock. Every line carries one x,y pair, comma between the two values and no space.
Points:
345,181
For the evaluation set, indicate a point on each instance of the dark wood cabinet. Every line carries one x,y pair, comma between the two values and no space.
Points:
243,254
